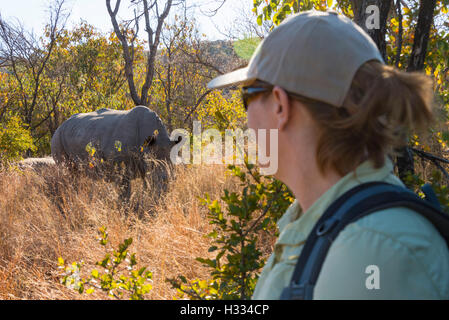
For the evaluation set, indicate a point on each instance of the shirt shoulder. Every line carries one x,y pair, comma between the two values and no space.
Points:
405,248
403,225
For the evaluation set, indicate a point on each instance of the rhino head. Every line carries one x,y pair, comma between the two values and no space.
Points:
159,146
156,151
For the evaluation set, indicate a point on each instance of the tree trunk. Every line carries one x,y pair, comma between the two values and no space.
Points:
422,31
405,162
361,17
129,70
128,49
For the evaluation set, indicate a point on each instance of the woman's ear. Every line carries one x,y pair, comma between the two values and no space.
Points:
282,107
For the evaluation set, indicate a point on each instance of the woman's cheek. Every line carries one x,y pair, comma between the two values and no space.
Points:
254,120
252,123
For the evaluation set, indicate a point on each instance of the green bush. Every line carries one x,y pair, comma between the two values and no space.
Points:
14,140
238,259
119,277
438,184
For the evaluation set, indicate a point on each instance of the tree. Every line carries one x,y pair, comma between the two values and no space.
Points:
145,8
410,24
83,72
363,9
404,161
26,57
422,32
186,62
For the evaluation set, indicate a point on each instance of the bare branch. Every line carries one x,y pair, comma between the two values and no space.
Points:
129,72
153,48
213,12
204,95
21,49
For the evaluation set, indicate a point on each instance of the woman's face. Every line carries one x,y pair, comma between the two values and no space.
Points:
262,121
258,113
286,123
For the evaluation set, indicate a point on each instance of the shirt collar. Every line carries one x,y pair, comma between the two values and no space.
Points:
303,223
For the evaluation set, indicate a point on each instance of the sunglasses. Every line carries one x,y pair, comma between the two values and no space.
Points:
249,92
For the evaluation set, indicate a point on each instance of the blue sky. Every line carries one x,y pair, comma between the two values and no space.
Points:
33,13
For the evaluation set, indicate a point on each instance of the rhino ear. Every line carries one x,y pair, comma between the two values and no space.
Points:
151,140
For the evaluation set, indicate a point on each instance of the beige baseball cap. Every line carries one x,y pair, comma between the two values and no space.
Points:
314,54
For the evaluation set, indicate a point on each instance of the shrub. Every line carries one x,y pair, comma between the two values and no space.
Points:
113,280
14,140
234,270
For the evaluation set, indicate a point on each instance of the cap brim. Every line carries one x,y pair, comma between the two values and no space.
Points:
237,77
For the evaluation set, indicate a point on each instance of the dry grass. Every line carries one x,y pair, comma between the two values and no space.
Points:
45,216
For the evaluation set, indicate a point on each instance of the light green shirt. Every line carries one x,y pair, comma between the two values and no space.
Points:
411,257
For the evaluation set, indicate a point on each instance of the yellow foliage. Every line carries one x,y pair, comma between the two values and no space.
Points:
230,108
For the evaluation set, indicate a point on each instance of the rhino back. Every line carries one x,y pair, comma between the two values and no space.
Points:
105,127
97,128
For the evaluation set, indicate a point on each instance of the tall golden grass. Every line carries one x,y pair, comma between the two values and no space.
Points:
47,215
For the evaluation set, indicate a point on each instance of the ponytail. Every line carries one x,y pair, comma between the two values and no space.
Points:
382,107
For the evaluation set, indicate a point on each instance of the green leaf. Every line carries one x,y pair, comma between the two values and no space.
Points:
105,261
141,270
220,117
213,234
220,255
213,248
128,241
133,260
209,262
81,287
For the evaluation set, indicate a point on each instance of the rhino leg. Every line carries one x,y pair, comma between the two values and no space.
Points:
125,189
144,178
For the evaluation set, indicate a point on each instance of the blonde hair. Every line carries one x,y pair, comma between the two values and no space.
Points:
382,107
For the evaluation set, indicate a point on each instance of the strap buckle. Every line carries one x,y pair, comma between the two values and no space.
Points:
326,226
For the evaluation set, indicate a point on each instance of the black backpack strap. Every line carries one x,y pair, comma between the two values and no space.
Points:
431,196
354,204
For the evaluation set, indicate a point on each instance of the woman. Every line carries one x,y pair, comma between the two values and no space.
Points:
340,112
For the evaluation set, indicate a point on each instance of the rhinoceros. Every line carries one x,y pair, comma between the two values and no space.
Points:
114,137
